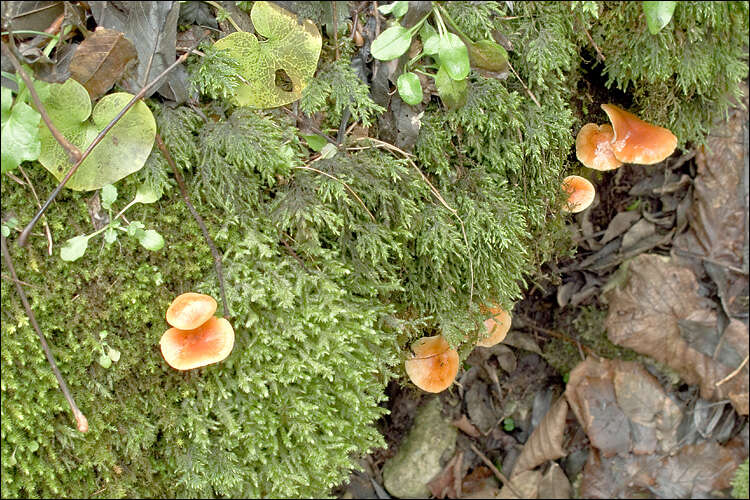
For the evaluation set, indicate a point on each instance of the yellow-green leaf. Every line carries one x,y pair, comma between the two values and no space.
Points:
289,47
122,151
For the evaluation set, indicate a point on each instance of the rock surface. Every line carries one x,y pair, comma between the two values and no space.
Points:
418,459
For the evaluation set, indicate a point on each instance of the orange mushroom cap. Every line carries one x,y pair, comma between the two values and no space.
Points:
190,310
636,141
209,343
434,366
594,147
497,326
580,191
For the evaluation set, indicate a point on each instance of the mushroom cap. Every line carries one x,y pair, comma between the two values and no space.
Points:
434,366
580,191
209,343
497,326
190,310
636,141
594,148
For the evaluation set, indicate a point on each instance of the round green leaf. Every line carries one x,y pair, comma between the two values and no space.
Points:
150,240
430,39
658,14
20,132
108,196
391,43
147,194
289,47
452,92
114,354
105,361
454,56
122,151
409,88
398,9
74,248
489,55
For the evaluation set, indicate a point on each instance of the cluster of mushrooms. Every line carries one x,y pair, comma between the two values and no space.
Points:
198,338
606,147
434,365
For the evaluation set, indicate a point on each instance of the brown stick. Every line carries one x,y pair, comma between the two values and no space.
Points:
531,94
735,372
27,230
83,423
497,473
39,204
73,152
199,220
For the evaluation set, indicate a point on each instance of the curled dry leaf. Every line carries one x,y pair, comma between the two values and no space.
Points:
555,483
525,483
622,407
101,60
657,310
719,212
545,443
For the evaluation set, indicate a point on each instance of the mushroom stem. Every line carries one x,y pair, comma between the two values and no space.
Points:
83,423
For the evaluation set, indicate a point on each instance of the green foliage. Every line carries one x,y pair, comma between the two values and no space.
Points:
335,88
740,481
20,132
216,75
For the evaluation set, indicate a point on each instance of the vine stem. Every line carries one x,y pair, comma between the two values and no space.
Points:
27,230
73,152
199,220
81,420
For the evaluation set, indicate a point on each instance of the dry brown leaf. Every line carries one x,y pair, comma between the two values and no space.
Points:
719,211
622,408
545,443
101,60
526,483
555,483
444,484
692,472
658,311
465,426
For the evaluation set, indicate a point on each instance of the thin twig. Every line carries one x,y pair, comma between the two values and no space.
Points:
495,471
687,253
552,333
531,94
83,423
222,9
39,204
27,230
735,372
20,282
440,198
306,167
199,220
588,35
73,152
311,127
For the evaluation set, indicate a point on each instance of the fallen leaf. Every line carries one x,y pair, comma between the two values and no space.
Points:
555,483
622,407
466,426
290,47
101,60
645,315
525,483
545,443
152,27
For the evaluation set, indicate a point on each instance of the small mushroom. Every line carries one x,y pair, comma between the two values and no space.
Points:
497,326
580,191
434,366
636,141
594,147
209,343
190,310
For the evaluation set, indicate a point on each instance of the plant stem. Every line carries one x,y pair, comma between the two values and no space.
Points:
82,421
74,154
222,9
27,230
199,220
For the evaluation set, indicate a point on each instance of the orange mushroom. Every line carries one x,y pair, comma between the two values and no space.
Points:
209,343
637,141
580,191
594,147
497,326
434,365
190,310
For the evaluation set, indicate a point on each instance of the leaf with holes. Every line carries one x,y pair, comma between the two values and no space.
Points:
291,49
122,151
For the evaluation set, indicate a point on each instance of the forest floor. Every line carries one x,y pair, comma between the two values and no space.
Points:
692,210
